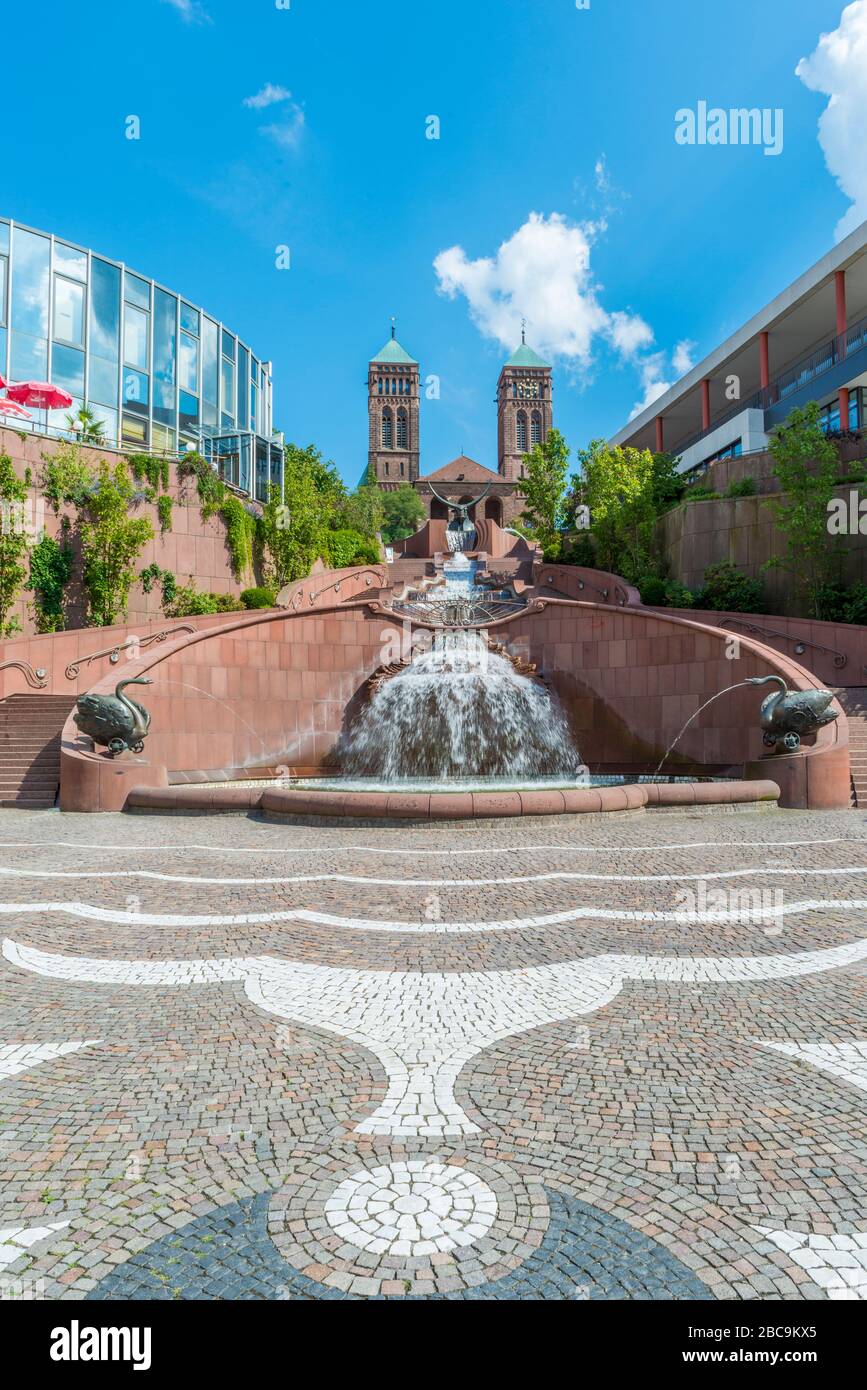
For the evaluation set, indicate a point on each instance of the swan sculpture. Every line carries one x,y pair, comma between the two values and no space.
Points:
115,721
787,715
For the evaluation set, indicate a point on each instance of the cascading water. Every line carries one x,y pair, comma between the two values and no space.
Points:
460,711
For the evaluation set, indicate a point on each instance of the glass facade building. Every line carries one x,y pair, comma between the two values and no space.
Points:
158,372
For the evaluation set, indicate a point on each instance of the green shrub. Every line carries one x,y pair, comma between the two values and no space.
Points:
50,571
743,487
164,512
66,476
728,589
652,591
699,494
345,548
855,608
580,551
677,595
258,598
189,602
156,470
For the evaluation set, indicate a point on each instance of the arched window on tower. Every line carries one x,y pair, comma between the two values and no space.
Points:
536,428
387,429
402,431
379,386
522,432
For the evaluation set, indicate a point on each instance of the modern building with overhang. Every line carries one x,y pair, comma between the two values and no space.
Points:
158,371
808,344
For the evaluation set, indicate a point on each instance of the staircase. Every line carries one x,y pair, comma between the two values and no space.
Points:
854,702
30,728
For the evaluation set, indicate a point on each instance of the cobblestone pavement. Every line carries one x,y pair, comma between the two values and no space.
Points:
605,1057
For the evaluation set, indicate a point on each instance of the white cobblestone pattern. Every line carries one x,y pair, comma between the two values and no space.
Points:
425,1026
846,1061
837,1263
411,1208
17,1057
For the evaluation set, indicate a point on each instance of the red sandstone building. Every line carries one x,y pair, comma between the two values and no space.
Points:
808,344
524,418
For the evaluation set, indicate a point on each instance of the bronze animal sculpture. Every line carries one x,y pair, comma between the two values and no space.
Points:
787,715
116,721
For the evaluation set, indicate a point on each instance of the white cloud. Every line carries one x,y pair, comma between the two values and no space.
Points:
267,96
682,358
542,272
838,69
286,131
653,371
191,11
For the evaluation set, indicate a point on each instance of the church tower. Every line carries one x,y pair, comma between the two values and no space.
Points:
525,411
393,413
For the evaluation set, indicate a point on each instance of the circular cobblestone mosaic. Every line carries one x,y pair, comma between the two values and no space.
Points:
411,1208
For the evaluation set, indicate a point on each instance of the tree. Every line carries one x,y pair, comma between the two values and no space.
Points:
544,489
111,541
14,542
807,463
621,487
363,511
403,510
50,571
66,476
293,529
85,426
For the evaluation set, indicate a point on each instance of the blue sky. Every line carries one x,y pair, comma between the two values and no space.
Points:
630,255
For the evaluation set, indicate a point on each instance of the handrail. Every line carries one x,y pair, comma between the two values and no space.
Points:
38,679
113,653
800,643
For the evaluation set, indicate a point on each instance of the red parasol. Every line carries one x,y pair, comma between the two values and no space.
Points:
40,394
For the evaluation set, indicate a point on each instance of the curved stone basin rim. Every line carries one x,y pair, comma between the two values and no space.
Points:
285,801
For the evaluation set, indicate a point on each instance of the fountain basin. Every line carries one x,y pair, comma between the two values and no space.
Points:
338,802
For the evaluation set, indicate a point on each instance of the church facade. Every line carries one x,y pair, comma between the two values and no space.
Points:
524,418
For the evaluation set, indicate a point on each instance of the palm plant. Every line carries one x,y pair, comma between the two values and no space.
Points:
85,426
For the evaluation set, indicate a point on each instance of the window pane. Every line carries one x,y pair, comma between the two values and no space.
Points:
189,363
68,310
135,429
228,396
162,437
164,403
4,237
135,337
209,364
188,415
109,421
228,346
30,283
103,381
29,358
67,369
3,280
262,471
243,393
165,316
135,392
189,318
104,310
69,261
136,291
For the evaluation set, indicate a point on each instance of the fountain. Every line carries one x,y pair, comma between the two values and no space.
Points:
460,711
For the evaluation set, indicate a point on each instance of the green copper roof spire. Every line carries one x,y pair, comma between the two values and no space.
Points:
393,352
